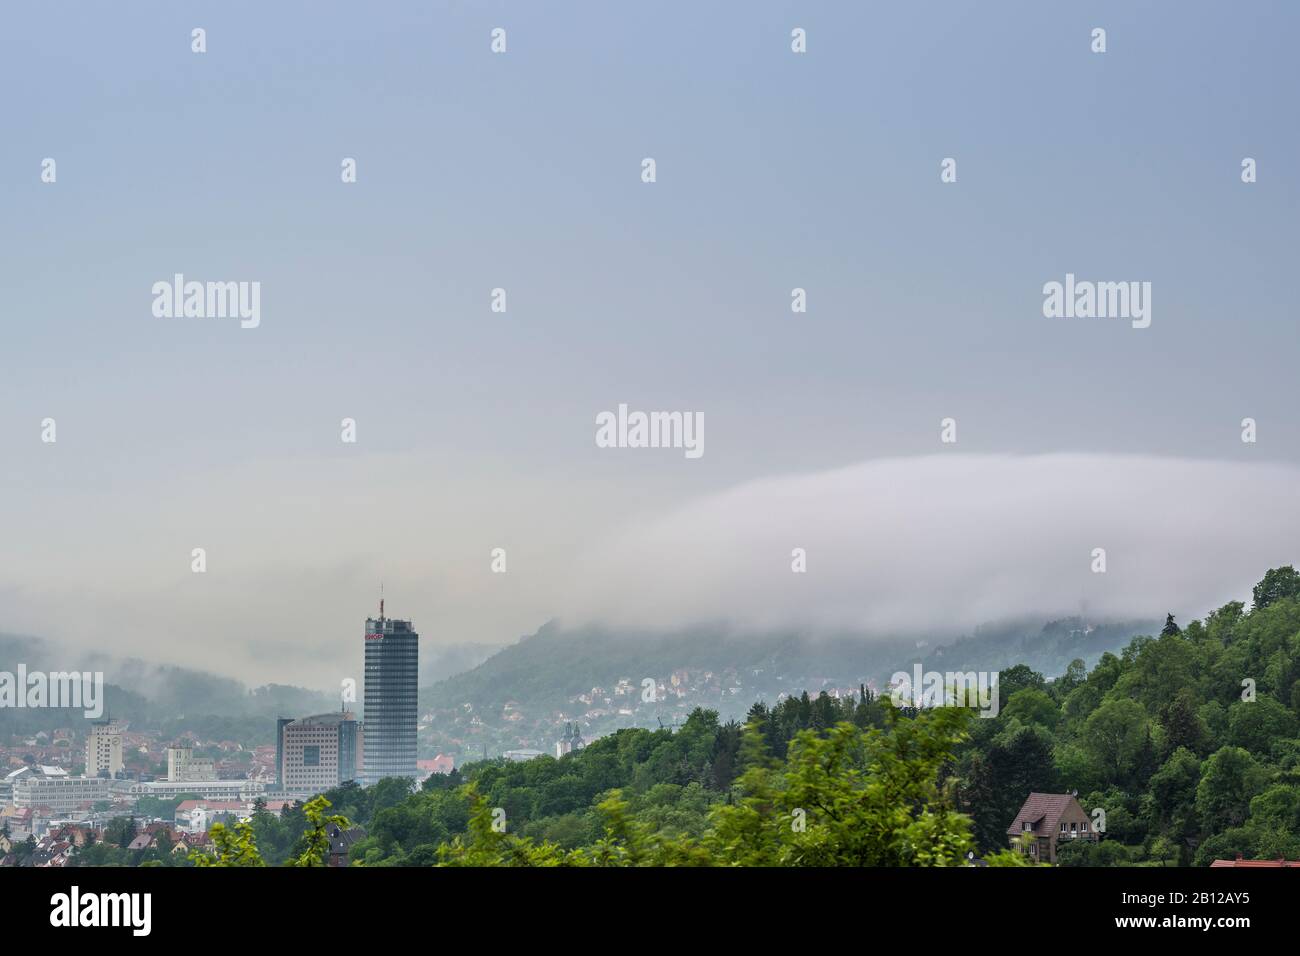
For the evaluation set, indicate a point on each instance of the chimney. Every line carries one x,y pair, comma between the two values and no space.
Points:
1238,856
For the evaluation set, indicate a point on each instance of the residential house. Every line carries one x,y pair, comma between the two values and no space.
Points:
197,816
1049,818
341,843
193,841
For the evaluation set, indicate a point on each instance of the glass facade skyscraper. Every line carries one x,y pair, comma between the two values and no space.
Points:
391,710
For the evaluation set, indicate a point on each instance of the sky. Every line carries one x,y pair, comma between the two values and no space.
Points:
523,171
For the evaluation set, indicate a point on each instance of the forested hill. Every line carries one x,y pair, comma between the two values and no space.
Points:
158,696
1048,649
545,671
1184,743
1187,741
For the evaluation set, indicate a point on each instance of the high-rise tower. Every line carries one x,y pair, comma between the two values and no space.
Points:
391,710
104,749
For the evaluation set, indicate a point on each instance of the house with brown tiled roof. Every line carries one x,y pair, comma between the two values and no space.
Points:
50,852
75,833
341,843
1045,820
443,763
1280,862
192,841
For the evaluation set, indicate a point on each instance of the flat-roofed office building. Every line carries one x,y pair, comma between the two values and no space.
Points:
61,793
318,753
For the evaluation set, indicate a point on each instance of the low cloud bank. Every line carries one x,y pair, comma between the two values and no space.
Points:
946,542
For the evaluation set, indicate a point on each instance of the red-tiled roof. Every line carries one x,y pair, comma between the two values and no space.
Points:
1256,863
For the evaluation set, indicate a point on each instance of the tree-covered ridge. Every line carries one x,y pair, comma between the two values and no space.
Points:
670,782
545,670
847,796
1186,740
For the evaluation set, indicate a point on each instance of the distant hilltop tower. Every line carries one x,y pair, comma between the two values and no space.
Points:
391,709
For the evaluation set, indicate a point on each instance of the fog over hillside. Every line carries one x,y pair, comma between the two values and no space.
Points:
931,546
938,545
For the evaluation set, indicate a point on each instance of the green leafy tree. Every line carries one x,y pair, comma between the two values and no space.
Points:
1017,678
1183,726
314,846
1256,725
851,798
1229,779
1033,706
1172,793
977,797
1076,674
120,831
488,844
1277,584
1114,734
24,850
235,846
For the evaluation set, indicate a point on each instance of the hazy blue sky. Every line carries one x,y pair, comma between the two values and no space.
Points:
475,429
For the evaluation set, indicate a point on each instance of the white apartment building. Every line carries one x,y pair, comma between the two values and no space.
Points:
53,787
199,819
104,749
205,789
182,765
